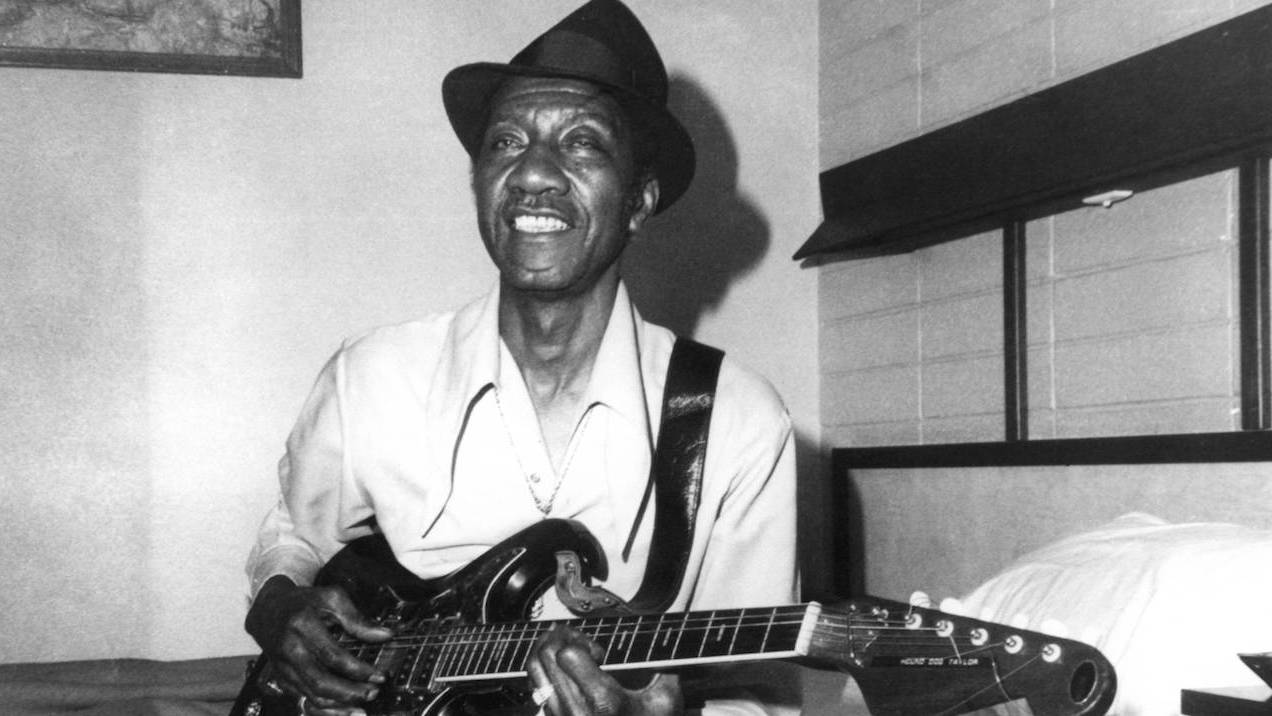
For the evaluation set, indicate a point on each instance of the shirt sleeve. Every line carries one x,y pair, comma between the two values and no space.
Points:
751,558
310,521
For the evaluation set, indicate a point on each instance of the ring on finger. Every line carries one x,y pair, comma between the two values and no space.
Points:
541,694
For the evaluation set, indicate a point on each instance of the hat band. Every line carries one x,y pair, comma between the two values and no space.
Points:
576,54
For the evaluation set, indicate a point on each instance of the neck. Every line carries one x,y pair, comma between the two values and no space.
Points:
555,338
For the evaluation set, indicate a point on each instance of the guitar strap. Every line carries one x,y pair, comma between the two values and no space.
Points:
680,456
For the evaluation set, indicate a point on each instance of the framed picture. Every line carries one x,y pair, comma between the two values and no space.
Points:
221,37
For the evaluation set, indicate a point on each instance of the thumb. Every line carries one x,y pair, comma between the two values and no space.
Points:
663,695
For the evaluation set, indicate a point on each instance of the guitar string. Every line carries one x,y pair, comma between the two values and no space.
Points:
899,635
921,635
485,633
482,631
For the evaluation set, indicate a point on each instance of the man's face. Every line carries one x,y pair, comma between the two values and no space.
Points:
555,185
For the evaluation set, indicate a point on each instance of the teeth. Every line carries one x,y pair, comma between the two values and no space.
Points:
538,224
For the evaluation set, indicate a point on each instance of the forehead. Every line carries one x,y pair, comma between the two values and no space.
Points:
522,96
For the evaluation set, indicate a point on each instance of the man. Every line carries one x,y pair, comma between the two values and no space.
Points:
450,433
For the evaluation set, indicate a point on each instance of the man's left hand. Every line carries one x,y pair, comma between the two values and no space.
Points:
563,669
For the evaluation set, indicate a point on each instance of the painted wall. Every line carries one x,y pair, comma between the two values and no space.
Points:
180,254
1132,310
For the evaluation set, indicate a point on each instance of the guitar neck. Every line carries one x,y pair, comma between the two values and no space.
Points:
479,652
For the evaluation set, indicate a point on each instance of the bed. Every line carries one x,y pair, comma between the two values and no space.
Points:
1157,550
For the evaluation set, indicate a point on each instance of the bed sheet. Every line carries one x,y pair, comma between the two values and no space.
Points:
122,687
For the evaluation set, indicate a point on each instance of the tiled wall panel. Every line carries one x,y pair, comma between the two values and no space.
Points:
956,27
1127,299
854,288
1004,67
960,326
1131,310
877,395
972,264
1094,33
972,55
1151,419
971,386
870,341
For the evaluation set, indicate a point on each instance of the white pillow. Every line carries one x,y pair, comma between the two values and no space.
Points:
1170,605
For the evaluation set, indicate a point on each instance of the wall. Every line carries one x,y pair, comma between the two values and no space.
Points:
1132,310
179,255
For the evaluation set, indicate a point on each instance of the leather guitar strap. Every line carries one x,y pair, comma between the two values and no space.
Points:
676,472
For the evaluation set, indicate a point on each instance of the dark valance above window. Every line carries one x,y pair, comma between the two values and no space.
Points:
1179,110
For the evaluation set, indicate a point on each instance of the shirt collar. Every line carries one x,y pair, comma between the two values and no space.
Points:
617,379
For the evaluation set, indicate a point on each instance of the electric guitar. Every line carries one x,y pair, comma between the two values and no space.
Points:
461,641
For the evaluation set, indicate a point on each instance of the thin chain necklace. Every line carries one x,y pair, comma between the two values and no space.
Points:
532,478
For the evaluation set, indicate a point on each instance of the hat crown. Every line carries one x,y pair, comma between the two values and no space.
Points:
605,41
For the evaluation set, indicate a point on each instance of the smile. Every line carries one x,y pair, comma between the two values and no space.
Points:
538,224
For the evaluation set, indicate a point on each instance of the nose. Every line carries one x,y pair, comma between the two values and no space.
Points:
538,171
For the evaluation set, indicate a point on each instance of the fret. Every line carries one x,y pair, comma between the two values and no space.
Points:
520,648
706,633
459,650
657,642
585,626
468,644
501,664
484,649
612,633
788,628
680,633
723,633
767,627
629,637
463,665
427,638
448,652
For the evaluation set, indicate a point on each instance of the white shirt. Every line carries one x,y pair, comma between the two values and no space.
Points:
425,431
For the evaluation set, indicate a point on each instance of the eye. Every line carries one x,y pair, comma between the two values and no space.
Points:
502,141
586,141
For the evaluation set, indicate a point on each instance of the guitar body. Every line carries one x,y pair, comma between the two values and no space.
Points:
502,585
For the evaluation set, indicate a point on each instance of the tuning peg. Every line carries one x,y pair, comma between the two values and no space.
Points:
950,605
1054,627
920,599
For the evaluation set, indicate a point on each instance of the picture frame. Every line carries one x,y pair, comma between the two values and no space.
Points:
259,38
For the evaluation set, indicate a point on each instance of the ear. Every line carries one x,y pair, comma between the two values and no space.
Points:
644,201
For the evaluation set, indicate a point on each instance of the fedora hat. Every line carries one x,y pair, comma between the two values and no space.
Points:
601,42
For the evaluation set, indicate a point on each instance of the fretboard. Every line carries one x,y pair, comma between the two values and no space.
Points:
478,652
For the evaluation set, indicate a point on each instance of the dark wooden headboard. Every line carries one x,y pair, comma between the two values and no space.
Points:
944,518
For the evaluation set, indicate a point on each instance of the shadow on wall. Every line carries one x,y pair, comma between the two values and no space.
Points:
683,261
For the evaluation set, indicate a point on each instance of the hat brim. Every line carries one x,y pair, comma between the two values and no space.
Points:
468,90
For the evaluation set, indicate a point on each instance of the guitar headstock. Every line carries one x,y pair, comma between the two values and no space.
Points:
913,659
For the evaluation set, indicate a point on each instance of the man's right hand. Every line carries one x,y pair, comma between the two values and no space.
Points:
293,624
